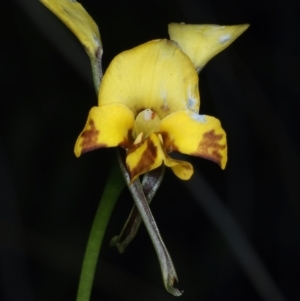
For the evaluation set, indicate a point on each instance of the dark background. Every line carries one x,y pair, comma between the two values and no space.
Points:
233,234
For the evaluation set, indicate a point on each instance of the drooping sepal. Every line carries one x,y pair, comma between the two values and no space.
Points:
168,271
151,182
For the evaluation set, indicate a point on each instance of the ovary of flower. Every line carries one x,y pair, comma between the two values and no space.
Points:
149,102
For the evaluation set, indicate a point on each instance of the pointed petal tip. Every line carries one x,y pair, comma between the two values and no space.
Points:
169,284
245,26
174,291
202,42
223,163
239,29
77,152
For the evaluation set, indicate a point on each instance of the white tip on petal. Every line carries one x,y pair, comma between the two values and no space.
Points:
199,118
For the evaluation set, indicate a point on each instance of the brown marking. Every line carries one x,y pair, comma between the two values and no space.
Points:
169,145
147,159
89,138
99,52
209,147
153,115
165,108
127,141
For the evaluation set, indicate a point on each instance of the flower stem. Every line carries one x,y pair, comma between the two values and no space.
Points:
113,187
96,64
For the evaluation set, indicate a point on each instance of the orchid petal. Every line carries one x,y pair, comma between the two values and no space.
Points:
203,42
150,155
156,75
182,169
144,157
196,135
105,128
76,18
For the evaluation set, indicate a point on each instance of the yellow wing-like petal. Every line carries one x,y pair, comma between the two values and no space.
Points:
196,135
156,75
107,126
182,169
203,42
76,18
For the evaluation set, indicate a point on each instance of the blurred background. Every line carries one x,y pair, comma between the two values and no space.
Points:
233,234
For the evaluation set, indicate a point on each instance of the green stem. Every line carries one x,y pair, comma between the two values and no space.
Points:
114,185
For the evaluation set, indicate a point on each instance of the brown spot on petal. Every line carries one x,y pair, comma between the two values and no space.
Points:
127,141
209,147
147,159
165,108
169,145
89,138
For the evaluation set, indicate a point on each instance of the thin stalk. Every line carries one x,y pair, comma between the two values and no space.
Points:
96,64
113,187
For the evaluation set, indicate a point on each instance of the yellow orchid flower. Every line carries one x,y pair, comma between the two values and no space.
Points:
149,105
149,102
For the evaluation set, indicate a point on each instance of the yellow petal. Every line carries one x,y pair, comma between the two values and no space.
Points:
144,157
182,169
149,155
156,75
202,42
76,18
196,135
107,126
